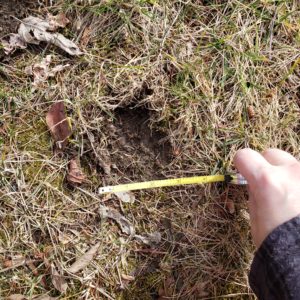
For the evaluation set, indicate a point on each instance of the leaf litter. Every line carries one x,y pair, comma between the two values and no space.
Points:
58,280
126,227
84,260
14,262
75,175
86,36
42,71
58,21
150,239
127,277
34,30
58,124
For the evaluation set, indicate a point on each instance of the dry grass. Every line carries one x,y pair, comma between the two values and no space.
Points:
213,76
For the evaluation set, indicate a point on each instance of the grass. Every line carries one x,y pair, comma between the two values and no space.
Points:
214,76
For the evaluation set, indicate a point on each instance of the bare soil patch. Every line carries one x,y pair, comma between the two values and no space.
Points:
11,12
135,131
129,147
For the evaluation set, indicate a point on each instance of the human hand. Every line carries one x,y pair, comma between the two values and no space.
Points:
274,189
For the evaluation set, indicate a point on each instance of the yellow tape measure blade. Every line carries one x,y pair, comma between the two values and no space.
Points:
161,183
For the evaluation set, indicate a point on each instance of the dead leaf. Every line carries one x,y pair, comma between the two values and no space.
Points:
31,29
251,112
57,69
3,129
186,50
13,42
86,36
75,175
58,124
104,162
7,263
84,260
16,297
14,262
58,280
230,206
150,239
176,151
32,267
126,197
127,277
39,71
123,223
34,30
58,21
42,71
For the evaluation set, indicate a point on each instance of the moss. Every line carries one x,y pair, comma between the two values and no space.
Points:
38,171
34,139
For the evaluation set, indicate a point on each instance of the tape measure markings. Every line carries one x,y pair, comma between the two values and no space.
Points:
161,183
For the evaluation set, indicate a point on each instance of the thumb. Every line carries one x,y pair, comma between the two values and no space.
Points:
249,162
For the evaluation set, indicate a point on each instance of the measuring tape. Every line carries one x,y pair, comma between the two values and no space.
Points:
235,179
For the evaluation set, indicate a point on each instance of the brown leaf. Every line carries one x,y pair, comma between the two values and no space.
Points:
58,280
58,124
86,36
7,263
176,151
105,163
230,206
58,21
75,175
3,129
251,112
16,297
84,260
14,262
